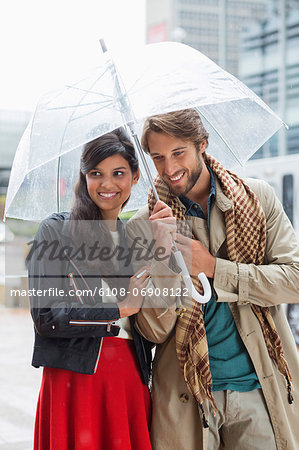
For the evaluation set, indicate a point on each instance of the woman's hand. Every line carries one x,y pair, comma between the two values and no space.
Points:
163,226
132,303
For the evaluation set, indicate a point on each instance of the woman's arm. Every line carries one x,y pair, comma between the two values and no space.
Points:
62,315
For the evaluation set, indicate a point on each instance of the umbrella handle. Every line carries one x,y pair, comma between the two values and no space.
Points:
207,292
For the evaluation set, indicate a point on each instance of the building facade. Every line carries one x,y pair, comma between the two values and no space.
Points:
210,26
269,65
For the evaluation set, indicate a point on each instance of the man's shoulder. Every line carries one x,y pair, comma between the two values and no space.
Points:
139,223
265,193
260,187
255,183
141,214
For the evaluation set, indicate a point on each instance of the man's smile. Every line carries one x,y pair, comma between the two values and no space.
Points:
176,178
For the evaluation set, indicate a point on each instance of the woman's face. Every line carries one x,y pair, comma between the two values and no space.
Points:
109,185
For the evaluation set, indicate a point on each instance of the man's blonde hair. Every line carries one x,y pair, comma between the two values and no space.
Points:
185,124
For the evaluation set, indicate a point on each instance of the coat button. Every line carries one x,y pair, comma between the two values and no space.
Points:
184,398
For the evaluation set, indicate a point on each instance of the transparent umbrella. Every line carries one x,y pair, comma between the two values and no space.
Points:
160,78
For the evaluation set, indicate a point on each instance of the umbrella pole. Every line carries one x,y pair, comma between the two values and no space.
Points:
128,116
58,184
176,252
143,159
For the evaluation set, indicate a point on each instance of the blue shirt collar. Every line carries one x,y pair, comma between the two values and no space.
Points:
193,208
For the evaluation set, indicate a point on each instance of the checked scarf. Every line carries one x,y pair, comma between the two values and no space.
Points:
246,240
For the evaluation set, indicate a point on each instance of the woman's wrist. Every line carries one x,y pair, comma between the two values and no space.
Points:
128,308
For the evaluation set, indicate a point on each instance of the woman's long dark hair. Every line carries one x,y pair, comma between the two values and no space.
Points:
115,143
86,224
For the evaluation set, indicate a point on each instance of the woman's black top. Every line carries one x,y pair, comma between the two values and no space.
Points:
69,327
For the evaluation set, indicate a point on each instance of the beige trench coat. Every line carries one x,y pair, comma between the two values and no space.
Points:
176,421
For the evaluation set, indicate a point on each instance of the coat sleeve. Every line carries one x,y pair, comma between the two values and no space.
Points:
55,312
157,317
277,280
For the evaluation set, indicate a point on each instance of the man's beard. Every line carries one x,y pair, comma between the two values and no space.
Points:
191,181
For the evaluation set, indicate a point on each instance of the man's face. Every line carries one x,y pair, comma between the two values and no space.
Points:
178,162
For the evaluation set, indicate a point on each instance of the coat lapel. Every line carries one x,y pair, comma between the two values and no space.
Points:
217,222
213,238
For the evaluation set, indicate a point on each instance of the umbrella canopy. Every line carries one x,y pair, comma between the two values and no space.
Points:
161,78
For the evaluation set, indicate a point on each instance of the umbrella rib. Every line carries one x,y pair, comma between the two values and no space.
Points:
77,106
87,91
84,79
87,114
69,86
222,137
83,90
62,139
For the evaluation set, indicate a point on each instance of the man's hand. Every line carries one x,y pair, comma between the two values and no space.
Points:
163,226
197,257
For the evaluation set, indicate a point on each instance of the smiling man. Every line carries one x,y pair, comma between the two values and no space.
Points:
225,373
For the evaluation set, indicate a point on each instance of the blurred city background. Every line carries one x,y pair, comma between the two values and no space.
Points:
255,40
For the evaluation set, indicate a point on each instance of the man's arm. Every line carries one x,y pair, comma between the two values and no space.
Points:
157,317
277,280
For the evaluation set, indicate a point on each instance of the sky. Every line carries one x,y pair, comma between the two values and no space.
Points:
44,43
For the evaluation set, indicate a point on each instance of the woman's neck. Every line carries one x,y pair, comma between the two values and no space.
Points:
111,219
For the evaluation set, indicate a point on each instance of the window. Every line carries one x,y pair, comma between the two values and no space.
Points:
288,196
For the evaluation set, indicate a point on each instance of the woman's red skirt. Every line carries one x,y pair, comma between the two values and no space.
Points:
109,410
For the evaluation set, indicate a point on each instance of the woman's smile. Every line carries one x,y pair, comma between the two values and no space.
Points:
108,195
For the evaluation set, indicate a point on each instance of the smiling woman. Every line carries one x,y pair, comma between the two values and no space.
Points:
83,314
